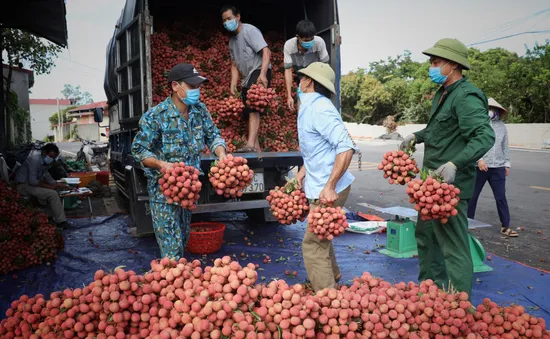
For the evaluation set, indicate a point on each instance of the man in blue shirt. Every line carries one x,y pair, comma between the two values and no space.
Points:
33,179
327,149
176,130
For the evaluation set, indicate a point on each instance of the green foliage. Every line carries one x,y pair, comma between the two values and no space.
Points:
21,119
26,48
400,86
54,119
76,94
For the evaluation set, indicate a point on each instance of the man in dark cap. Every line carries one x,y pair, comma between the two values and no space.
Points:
458,134
176,130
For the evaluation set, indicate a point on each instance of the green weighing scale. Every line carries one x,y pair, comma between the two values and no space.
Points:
401,242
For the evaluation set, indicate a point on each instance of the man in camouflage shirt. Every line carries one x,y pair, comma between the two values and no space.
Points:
176,130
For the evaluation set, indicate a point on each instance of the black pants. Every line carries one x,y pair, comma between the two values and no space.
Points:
497,181
253,79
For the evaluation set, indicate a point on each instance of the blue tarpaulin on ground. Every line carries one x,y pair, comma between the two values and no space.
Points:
510,282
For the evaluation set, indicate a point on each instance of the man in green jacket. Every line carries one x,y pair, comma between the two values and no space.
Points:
458,133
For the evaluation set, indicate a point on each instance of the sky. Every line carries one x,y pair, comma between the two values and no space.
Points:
371,31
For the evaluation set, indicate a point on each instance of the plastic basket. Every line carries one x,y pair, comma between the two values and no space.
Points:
85,177
205,237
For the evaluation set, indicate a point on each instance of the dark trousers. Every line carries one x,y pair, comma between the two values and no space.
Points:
497,181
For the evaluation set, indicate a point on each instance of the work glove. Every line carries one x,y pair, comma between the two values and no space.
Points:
409,141
447,171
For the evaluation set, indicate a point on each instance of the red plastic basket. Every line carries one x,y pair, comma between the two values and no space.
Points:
205,237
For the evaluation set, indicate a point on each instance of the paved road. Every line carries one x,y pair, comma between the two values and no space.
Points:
69,148
528,194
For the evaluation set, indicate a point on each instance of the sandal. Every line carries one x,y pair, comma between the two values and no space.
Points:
508,232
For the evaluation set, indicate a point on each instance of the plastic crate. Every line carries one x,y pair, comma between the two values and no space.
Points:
103,177
85,177
205,237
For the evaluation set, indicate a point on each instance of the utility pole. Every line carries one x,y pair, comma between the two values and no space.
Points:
59,122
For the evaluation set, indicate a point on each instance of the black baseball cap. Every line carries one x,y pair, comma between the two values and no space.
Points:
186,73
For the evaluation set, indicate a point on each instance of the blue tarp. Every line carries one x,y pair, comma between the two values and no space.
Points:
508,283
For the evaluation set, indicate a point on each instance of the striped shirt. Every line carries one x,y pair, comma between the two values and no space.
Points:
294,58
499,155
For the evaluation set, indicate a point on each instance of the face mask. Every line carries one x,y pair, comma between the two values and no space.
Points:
231,25
493,115
436,76
307,44
192,96
48,160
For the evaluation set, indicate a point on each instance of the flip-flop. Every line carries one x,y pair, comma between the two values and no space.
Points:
246,150
508,232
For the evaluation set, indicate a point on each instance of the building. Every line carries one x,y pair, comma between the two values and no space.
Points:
15,128
86,127
41,111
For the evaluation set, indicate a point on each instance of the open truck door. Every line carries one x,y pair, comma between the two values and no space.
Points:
324,15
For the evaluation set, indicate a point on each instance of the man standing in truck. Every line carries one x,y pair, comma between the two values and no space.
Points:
458,134
250,58
327,150
176,130
299,52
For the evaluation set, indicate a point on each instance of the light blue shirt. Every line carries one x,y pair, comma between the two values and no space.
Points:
322,136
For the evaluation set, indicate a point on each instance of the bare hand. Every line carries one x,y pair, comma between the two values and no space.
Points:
300,180
222,155
328,196
262,79
165,165
290,103
507,171
483,166
233,89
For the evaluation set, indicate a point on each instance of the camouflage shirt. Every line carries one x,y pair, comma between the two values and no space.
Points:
166,135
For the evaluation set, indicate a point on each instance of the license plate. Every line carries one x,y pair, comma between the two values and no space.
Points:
257,185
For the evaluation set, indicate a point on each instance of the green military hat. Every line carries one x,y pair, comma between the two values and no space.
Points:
450,49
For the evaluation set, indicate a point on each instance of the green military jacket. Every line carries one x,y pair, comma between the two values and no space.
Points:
458,131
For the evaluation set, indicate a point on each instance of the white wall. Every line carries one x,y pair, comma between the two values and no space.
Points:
40,123
519,135
93,131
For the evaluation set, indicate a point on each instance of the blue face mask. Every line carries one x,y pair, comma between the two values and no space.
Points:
436,76
192,96
231,25
307,44
299,92
48,160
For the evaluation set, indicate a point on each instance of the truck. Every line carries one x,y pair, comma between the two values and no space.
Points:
128,88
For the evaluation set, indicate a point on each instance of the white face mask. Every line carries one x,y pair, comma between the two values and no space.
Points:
493,115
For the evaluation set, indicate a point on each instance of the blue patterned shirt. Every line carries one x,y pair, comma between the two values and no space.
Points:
167,136
322,136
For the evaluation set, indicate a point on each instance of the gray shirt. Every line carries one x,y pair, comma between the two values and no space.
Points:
499,155
246,50
34,170
294,58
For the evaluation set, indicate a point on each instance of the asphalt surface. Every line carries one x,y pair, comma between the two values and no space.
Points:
69,148
528,193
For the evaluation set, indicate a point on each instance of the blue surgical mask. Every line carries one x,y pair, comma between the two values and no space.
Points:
192,96
231,25
436,76
299,92
307,44
48,160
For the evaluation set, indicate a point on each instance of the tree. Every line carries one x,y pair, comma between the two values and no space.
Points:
24,49
76,94
401,87
54,119
373,96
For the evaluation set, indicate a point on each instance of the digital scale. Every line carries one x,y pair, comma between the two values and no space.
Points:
401,241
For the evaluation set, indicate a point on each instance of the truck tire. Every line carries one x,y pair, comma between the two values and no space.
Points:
259,216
